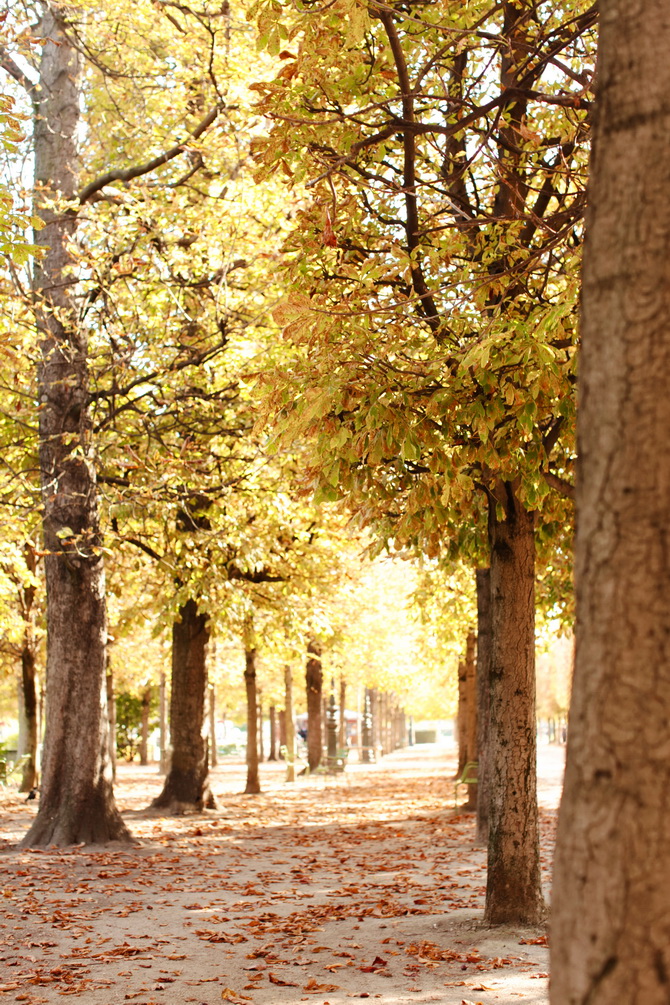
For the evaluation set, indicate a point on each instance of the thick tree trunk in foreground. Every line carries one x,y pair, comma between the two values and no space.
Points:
483,703
611,915
186,786
314,687
253,786
77,803
513,892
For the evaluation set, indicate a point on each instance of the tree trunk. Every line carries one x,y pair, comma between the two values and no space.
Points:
253,786
290,725
111,717
261,751
28,684
144,737
483,703
77,802
461,718
514,891
281,720
314,687
342,732
29,777
162,725
324,722
471,714
213,751
611,919
272,756
186,786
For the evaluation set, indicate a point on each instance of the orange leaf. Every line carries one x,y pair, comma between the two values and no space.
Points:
282,983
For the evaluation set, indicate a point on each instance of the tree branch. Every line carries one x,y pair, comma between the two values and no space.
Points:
427,304
260,576
550,439
127,174
15,71
143,547
563,487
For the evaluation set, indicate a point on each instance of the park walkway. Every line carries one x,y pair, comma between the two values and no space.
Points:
364,886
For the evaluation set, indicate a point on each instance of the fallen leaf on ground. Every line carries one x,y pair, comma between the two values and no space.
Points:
282,983
314,986
229,995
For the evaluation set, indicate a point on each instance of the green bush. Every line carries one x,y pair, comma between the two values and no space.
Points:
129,723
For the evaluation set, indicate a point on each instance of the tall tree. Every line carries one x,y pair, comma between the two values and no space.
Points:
483,580
434,334
611,925
76,803
253,784
314,691
186,786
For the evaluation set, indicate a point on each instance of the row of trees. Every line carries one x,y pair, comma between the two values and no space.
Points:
419,184
443,152
425,375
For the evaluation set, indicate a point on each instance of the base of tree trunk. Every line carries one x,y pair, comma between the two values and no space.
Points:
175,808
95,823
178,797
253,788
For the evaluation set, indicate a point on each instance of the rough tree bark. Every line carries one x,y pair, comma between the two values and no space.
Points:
253,786
186,786
77,802
611,915
313,687
514,890
483,577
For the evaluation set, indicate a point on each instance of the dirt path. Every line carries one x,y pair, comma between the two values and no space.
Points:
369,886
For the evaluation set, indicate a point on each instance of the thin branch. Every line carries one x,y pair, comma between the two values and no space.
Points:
143,547
426,302
127,174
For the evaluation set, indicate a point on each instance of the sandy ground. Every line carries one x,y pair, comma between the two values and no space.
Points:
368,885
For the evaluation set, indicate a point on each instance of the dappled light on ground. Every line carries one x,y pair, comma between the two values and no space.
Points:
326,891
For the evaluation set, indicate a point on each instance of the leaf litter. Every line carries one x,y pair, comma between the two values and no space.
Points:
375,881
